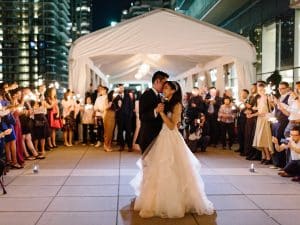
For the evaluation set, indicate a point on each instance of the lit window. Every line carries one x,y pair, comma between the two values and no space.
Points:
213,76
24,53
24,83
24,77
24,69
24,61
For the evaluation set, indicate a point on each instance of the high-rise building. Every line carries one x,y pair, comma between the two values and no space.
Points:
272,26
34,37
81,18
142,6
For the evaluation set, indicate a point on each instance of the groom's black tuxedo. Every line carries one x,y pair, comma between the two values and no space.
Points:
150,125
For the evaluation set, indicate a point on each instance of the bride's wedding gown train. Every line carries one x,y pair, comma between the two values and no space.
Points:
168,184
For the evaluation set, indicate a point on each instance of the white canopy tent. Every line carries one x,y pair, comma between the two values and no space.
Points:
159,40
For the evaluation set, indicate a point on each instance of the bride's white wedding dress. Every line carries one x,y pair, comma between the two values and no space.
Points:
168,184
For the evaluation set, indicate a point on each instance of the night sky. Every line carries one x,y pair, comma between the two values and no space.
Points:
105,11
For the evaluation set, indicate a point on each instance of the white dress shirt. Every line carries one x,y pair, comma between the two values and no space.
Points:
101,105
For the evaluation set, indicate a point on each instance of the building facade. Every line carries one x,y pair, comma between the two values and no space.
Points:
35,36
273,26
81,18
143,6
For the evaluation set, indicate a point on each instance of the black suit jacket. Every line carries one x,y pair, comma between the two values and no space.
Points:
150,125
126,109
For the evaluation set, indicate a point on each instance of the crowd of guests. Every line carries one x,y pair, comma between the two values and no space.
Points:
30,120
263,121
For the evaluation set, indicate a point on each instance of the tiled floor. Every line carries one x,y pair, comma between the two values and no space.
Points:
87,186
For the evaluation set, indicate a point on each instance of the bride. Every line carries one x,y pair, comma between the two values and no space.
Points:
168,184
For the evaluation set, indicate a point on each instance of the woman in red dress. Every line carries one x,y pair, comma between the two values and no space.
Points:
53,115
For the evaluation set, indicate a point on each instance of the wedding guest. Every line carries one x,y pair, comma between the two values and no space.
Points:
26,126
40,129
251,152
16,109
292,169
292,110
195,106
186,121
263,136
199,134
241,120
204,139
53,115
124,114
88,121
99,107
137,122
109,121
226,118
77,117
68,118
41,97
213,102
278,127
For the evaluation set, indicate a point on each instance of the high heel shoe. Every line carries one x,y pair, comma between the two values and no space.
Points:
107,149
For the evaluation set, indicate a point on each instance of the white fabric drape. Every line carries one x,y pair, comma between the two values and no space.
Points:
163,39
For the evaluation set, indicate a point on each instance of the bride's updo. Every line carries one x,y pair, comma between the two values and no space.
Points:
176,97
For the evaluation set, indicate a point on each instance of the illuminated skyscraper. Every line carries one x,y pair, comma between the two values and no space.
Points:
34,36
81,18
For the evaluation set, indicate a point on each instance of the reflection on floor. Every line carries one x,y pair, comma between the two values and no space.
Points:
84,185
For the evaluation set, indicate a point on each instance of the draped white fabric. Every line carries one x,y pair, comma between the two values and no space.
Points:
163,39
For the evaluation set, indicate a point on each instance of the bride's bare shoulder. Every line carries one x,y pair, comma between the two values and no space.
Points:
178,107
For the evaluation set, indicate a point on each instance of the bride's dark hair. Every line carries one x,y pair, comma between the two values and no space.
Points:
176,97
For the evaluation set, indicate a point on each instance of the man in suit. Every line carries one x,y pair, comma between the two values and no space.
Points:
124,114
279,158
213,104
149,108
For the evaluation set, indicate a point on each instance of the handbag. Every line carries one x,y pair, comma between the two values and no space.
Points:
55,122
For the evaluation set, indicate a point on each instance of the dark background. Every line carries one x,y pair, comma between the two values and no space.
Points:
105,11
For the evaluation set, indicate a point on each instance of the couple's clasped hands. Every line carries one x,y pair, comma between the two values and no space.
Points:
160,108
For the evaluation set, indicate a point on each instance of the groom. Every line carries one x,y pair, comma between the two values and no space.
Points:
149,108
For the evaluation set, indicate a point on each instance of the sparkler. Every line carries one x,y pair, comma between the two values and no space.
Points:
88,106
20,108
273,119
30,97
241,105
54,84
270,89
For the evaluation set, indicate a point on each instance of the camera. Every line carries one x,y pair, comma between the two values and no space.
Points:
284,141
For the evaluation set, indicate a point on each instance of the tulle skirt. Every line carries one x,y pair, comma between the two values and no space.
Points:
169,184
